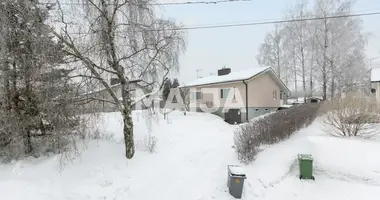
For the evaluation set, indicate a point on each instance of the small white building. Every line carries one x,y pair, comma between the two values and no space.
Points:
375,83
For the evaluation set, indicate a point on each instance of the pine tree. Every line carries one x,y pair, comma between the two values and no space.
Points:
175,83
166,91
32,78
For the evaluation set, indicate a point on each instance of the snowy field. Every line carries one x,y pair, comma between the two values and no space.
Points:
190,164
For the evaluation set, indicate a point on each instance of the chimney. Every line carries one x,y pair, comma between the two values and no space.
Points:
114,81
224,71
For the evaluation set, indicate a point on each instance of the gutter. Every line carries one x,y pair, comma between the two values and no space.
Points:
246,100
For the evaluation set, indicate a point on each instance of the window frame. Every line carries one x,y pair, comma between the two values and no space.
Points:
223,91
200,97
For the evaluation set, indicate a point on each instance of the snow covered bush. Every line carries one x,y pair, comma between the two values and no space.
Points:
350,116
99,135
150,143
244,140
271,129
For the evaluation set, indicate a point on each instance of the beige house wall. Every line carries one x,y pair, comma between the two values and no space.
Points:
260,92
212,93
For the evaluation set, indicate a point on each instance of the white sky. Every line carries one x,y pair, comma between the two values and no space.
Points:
236,47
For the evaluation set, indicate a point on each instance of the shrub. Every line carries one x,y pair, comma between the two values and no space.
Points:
271,129
244,140
350,116
150,143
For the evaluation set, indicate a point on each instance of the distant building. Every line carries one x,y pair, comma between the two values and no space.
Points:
375,83
314,99
254,92
100,98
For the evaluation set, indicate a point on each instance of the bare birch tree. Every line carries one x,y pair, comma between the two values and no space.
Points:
122,39
325,53
337,39
300,42
272,53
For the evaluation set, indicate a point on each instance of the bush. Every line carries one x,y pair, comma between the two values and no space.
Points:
244,141
150,143
271,129
350,116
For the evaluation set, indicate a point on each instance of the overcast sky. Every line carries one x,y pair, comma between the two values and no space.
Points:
236,47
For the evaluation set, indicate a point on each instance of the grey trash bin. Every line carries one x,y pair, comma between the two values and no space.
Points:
235,183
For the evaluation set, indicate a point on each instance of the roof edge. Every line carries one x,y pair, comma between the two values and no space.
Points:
247,79
231,81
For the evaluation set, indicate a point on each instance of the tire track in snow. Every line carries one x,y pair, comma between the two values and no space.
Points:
347,177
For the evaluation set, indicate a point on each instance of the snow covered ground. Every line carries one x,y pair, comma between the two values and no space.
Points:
190,163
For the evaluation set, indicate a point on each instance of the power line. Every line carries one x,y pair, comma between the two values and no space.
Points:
275,21
164,4
257,23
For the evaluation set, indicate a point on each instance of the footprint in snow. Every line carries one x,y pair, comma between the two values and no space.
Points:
105,183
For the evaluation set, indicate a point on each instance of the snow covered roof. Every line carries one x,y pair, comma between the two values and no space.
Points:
315,97
231,77
375,74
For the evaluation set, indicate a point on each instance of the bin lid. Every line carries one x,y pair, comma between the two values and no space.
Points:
236,170
305,157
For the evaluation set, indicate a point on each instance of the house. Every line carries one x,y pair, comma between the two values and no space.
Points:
314,99
238,96
375,83
100,100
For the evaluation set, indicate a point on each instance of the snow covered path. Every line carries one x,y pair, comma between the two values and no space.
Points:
193,152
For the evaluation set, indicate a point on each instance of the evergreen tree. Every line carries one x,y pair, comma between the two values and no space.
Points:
175,83
166,90
36,88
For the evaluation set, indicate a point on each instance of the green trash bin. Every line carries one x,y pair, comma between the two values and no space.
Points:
306,166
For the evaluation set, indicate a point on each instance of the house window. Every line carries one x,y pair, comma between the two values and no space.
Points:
281,95
225,93
198,95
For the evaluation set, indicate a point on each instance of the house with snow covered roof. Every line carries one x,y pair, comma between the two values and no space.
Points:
375,82
238,96
100,100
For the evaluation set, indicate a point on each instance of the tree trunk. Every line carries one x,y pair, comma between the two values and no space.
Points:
278,60
303,74
332,79
311,83
324,84
7,87
128,134
15,94
27,142
295,73
311,70
128,122
324,71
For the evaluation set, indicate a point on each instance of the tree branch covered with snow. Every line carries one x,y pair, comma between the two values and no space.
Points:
326,55
121,39
350,116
